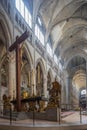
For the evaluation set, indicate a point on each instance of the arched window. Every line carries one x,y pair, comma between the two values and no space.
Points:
39,34
39,80
24,11
39,31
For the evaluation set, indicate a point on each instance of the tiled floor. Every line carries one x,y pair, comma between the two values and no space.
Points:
69,118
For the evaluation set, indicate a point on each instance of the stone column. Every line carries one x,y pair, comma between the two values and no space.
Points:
0,85
33,81
66,82
62,93
67,90
86,84
1,102
12,76
45,85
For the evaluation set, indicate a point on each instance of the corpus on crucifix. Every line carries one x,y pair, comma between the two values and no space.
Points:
16,46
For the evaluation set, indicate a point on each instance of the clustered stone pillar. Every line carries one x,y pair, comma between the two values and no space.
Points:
33,81
45,85
0,87
1,103
62,93
86,84
67,90
12,74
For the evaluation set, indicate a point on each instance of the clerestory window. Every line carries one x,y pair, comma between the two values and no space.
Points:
24,11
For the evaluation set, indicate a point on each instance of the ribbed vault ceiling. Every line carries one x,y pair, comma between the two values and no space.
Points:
77,69
66,22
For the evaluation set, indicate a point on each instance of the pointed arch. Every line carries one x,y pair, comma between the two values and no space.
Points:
5,42
6,28
25,48
83,55
26,65
40,75
40,61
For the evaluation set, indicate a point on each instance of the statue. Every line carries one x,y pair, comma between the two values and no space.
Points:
6,103
55,94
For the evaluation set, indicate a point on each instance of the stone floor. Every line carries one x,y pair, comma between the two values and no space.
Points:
68,118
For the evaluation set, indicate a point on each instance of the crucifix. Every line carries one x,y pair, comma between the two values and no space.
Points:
16,46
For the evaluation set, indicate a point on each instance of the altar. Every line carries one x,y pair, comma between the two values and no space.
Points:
31,104
34,107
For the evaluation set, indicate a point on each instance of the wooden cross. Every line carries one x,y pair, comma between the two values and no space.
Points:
16,46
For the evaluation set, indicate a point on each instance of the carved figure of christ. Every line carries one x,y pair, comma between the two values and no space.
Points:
16,46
